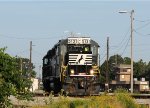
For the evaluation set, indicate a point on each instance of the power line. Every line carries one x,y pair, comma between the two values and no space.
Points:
142,20
125,47
124,37
141,27
140,34
104,53
102,58
120,46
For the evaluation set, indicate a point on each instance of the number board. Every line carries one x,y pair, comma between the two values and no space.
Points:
73,40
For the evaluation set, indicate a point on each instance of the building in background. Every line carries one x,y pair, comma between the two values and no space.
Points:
35,84
123,80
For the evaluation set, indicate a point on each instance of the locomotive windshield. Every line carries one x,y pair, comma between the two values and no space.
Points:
79,48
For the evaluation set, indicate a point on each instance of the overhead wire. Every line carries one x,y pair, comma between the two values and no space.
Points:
124,37
142,20
143,26
125,46
140,34
122,43
104,53
127,42
102,58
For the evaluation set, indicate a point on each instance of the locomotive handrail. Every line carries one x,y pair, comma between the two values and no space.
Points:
63,68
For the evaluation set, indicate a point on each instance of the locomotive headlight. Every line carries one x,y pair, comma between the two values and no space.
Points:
72,71
91,72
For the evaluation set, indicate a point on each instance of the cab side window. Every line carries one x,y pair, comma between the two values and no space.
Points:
45,61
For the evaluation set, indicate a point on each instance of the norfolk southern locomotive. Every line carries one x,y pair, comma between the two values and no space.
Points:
72,65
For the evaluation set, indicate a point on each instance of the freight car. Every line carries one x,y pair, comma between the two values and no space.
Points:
72,65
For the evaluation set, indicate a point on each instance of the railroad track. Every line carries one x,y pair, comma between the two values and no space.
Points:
141,96
136,96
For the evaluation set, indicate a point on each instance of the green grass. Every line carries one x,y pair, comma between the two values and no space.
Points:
121,99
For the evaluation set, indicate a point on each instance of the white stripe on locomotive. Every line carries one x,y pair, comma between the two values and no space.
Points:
80,59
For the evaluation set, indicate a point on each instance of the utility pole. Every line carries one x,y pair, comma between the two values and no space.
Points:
132,50
116,59
40,71
131,16
30,63
107,67
21,64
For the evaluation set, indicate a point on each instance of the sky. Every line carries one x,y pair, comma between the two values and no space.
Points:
46,22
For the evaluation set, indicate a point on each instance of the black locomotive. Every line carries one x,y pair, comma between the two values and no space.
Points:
72,65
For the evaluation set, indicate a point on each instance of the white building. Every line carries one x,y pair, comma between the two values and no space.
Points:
35,84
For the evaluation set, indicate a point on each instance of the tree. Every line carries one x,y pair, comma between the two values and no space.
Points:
139,68
116,59
147,72
12,80
127,60
103,72
23,64
112,62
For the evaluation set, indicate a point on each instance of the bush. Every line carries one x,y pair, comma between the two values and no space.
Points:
125,99
121,99
79,104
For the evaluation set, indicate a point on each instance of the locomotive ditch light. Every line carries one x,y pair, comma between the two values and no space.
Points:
72,72
91,72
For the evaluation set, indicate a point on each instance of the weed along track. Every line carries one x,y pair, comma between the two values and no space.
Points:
117,100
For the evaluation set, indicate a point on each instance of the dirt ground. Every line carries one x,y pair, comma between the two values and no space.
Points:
37,101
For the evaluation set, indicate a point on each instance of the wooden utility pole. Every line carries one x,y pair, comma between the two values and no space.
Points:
107,67
116,60
30,63
21,64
